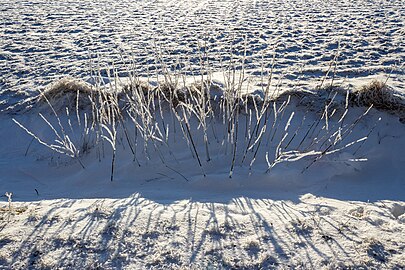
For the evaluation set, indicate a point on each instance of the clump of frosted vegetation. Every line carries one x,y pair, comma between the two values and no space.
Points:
381,96
218,125
377,93
67,92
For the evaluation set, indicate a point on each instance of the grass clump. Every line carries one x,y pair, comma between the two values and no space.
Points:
219,122
67,92
378,94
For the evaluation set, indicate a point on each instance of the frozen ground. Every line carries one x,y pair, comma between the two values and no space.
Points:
42,40
346,211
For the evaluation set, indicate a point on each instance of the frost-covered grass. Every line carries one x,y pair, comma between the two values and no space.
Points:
202,135
154,122
201,173
381,96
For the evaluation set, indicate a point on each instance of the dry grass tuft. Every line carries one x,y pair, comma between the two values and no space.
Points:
175,95
68,92
378,94
381,96
137,86
172,94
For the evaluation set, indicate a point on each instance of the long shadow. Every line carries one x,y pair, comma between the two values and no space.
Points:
244,233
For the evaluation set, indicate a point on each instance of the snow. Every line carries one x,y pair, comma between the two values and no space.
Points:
312,232
346,210
314,188
43,42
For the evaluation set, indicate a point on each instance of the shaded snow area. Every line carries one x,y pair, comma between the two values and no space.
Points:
202,134
317,189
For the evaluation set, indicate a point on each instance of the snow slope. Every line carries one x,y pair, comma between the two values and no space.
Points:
345,211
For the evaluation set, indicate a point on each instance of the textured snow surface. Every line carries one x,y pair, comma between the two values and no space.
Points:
44,40
346,211
135,233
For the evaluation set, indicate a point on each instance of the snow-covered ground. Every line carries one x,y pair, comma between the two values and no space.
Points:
339,210
43,40
318,183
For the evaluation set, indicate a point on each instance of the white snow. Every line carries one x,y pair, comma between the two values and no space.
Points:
346,210
325,189
43,41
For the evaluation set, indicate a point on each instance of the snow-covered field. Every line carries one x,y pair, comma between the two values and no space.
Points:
191,174
45,40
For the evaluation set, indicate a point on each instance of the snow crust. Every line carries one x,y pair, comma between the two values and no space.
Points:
43,41
296,205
